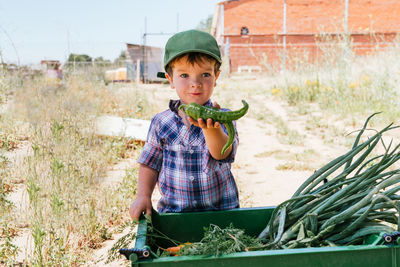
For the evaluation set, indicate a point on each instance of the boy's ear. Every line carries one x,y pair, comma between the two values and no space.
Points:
216,77
170,80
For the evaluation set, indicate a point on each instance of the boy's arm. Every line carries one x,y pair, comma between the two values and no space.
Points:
147,181
215,137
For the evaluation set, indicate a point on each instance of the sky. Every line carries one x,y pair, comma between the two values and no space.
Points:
31,31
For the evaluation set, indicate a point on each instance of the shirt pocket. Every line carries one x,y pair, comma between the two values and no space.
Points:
172,157
188,160
174,147
184,151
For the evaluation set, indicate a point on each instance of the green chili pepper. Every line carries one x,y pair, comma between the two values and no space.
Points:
196,111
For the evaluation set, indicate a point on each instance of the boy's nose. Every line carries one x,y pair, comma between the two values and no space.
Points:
195,82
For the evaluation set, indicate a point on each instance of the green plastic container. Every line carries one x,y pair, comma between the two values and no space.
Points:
188,227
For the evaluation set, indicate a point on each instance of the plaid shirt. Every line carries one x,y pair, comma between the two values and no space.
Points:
190,179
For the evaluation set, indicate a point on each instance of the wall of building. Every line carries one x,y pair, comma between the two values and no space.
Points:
371,23
150,64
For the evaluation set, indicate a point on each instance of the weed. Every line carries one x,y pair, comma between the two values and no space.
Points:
33,189
294,166
344,84
128,187
122,242
57,204
56,129
5,187
8,251
38,235
64,174
8,141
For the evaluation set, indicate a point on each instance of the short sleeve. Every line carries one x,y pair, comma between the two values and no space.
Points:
152,153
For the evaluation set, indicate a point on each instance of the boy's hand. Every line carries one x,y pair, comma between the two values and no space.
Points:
141,204
206,124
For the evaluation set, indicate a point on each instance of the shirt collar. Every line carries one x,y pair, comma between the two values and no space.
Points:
174,104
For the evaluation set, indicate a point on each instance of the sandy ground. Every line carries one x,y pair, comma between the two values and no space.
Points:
258,177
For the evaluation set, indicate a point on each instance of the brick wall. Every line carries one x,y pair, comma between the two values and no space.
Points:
305,21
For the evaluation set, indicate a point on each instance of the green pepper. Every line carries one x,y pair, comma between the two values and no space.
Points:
196,111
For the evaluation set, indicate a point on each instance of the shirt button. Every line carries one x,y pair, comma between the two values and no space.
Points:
191,151
191,178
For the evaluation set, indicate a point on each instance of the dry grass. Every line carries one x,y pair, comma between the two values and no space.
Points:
348,86
70,212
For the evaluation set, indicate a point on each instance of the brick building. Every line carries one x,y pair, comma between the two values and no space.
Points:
260,33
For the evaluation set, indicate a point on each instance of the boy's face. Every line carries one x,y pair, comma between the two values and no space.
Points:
193,83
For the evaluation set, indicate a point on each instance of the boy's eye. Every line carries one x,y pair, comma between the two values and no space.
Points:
206,74
183,75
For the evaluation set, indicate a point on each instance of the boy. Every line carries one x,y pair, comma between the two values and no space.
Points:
183,155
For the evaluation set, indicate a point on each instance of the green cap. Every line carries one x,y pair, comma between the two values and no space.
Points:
190,41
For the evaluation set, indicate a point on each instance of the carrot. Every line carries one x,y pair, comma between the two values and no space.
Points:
174,250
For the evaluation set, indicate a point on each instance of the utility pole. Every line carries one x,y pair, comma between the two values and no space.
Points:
284,34
346,16
144,55
144,50
346,23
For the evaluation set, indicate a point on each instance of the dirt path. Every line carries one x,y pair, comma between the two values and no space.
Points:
20,199
113,177
257,171
268,167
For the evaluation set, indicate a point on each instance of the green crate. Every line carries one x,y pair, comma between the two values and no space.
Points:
189,227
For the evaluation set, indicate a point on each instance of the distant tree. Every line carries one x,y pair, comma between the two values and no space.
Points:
122,55
121,58
100,61
205,24
79,58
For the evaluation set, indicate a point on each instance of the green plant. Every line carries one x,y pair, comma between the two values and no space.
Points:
342,83
122,242
128,187
8,141
33,189
217,241
38,235
340,207
8,251
56,129
65,173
